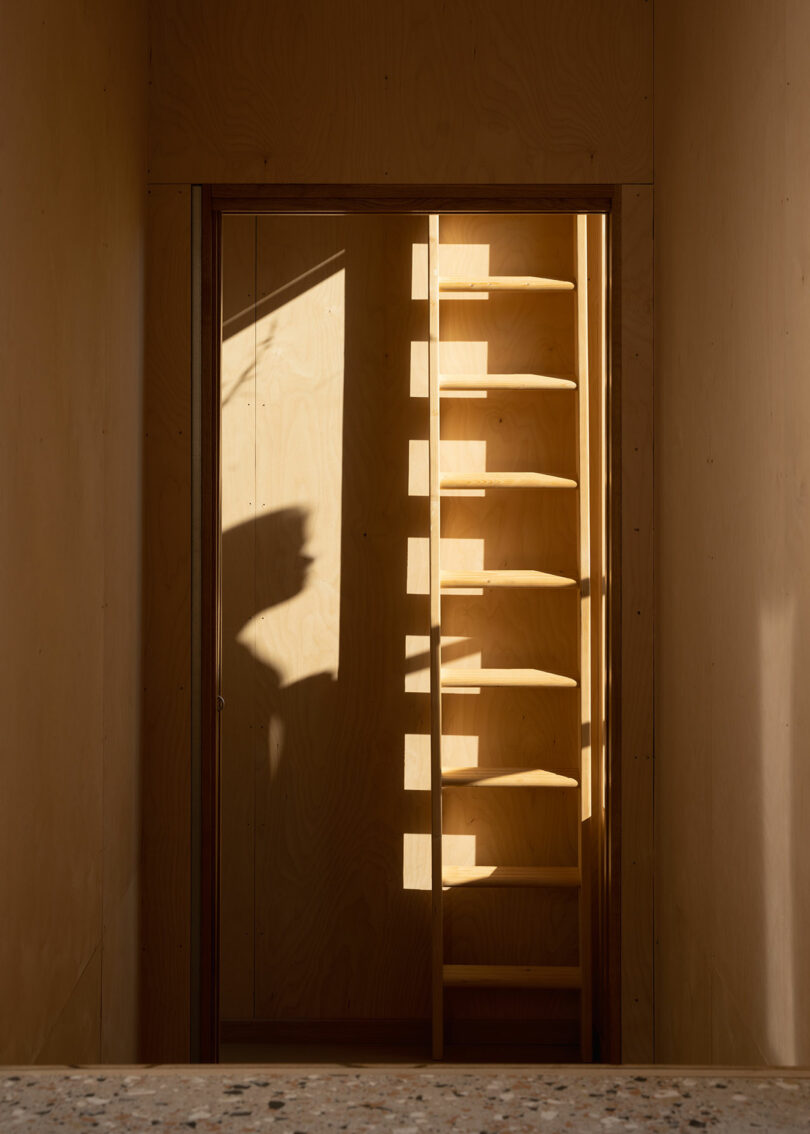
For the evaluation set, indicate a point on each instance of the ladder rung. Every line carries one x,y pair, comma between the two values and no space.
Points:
510,876
504,579
505,382
505,777
454,678
512,976
504,480
504,283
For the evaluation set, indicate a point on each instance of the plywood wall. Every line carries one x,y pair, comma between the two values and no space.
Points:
316,517
733,543
71,327
488,91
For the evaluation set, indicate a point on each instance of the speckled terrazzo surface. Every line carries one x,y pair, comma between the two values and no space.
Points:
468,1100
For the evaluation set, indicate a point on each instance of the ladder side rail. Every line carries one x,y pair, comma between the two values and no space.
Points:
437,927
587,723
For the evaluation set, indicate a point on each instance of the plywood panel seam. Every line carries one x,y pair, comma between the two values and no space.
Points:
95,951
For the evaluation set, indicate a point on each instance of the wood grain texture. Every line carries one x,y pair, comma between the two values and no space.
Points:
637,600
413,198
504,283
506,382
514,91
461,579
732,546
327,545
166,704
71,273
456,676
239,720
505,480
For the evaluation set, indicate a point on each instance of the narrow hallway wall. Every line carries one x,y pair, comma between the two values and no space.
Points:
73,140
733,539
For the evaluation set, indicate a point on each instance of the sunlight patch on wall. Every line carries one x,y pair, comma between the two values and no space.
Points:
238,425
457,752
456,554
461,651
455,261
298,410
454,456
416,873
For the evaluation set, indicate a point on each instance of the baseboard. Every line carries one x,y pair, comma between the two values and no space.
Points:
411,1033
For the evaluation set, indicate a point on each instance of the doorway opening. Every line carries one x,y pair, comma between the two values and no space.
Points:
407,823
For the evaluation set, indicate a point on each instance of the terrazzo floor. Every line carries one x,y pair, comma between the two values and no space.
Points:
400,1100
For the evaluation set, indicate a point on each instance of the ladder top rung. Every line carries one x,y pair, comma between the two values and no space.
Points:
505,382
512,976
504,480
503,283
510,876
504,579
454,678
505,777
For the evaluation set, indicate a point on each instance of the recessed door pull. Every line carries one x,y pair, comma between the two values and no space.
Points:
220,704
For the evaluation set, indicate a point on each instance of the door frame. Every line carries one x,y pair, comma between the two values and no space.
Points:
217,200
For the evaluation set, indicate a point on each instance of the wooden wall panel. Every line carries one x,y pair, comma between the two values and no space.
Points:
637,622
166,721
732,544
71,319
315,632
489,91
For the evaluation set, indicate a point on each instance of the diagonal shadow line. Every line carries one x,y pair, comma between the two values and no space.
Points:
284,294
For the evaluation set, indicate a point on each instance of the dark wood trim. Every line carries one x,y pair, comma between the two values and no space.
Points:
412,1032
210,634
611,975
417,199
412,198
394,1032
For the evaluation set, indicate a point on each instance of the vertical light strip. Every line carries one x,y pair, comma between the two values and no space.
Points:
196,616
435,646
586,709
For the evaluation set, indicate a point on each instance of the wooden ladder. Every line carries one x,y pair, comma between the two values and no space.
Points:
509,976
